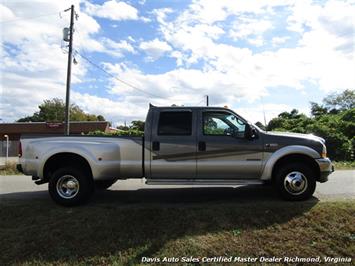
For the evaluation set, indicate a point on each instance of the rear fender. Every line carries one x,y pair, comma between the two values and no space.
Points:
82,152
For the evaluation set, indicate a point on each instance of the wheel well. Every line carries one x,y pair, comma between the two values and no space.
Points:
65,159
300,158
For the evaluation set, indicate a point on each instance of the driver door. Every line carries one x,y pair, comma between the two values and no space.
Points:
223,150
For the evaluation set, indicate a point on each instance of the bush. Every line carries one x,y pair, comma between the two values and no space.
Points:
9,169
129,132
337,128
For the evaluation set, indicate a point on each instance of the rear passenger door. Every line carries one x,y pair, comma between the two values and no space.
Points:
173,146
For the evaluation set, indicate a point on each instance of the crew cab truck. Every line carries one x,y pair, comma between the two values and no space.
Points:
181,146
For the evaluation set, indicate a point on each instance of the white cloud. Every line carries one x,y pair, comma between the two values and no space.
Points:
6,13
265,112
155,48
303,14
84,37
117,48
256,41
244,27
161,14
145,19
199,38
114,10
131,39
276,41
321,56
182,86
211,11
33,65
260,113
115,111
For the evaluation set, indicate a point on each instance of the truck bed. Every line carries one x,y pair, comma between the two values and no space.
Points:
109,157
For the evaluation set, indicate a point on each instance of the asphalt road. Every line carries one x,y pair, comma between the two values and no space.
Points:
341,185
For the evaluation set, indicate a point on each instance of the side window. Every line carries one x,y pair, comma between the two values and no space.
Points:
175,123
222,124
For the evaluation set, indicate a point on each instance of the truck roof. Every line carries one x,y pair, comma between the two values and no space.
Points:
188,107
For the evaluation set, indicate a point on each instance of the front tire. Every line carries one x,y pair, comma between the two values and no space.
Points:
69,186
295,181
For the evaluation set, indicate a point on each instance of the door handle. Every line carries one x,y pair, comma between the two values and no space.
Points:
156,145
201,146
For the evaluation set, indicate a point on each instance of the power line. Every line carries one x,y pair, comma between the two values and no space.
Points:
122,81
113,76
81,38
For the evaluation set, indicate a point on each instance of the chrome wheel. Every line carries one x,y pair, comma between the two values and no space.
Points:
295,183
67,186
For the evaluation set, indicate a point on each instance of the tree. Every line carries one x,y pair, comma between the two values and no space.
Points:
340,102
100,118
290,121
260,125
318,110
293,114
122,127
334,120
334,103
137,125
54,111
136,128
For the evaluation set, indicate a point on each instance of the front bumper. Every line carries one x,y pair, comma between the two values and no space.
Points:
326,168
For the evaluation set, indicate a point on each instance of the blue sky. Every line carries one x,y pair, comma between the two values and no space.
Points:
252,56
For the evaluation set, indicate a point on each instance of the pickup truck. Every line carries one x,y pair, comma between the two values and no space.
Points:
181,146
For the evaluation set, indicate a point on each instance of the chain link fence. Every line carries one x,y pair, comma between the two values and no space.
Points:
12,150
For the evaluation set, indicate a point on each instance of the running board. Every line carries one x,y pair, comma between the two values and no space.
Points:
204,182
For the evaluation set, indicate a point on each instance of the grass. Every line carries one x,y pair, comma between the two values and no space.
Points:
123,230
344,165
9,169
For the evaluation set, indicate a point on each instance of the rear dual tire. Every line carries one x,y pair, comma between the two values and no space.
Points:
70,186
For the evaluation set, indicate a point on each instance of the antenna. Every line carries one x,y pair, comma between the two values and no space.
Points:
262,103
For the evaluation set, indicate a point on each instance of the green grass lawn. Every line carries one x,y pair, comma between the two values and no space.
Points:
122,232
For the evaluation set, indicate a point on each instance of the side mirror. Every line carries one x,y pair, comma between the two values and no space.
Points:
250,132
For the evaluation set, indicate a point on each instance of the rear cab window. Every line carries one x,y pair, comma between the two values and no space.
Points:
175,123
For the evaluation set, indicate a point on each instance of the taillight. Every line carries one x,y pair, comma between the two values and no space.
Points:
19,149
324,152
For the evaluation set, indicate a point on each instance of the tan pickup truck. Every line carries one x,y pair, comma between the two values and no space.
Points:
181,146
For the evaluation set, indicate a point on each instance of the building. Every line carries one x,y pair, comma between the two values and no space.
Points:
15,131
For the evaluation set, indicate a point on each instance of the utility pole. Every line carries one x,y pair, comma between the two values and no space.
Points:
207,100
67,96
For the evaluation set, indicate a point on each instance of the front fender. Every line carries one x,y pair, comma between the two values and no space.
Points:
288,150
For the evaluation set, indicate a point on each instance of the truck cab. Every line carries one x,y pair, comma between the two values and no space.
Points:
201,143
